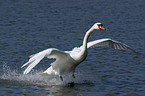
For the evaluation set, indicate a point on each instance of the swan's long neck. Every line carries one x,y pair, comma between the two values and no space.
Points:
84,48
88,33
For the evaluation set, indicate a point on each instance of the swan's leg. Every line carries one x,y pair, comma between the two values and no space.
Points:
71,84
73,75
61,77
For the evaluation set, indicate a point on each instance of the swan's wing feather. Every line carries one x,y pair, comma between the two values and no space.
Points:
55,53
109,43
36,58
33,64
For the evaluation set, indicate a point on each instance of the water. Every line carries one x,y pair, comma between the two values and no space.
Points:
29,26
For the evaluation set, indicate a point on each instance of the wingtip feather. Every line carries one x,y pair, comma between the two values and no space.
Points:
24,65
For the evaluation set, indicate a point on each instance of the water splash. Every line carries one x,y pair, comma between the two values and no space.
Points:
35,78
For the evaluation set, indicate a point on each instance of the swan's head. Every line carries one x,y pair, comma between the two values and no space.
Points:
98,26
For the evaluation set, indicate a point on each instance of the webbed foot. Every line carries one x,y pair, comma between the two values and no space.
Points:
61,77
71,84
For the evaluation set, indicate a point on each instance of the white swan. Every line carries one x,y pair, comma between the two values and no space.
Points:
67,61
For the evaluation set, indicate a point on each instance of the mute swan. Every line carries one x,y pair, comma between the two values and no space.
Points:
67,61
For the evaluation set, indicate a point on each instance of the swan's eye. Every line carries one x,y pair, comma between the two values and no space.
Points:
100,25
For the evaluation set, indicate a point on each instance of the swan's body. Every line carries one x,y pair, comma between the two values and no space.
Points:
67,61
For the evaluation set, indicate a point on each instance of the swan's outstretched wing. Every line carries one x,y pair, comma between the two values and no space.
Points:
36,58
110,43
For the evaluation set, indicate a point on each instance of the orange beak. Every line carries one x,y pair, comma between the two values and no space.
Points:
102,28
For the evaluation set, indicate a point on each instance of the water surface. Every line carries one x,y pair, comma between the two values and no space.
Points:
30,26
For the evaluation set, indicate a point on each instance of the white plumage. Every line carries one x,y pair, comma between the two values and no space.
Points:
67,61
